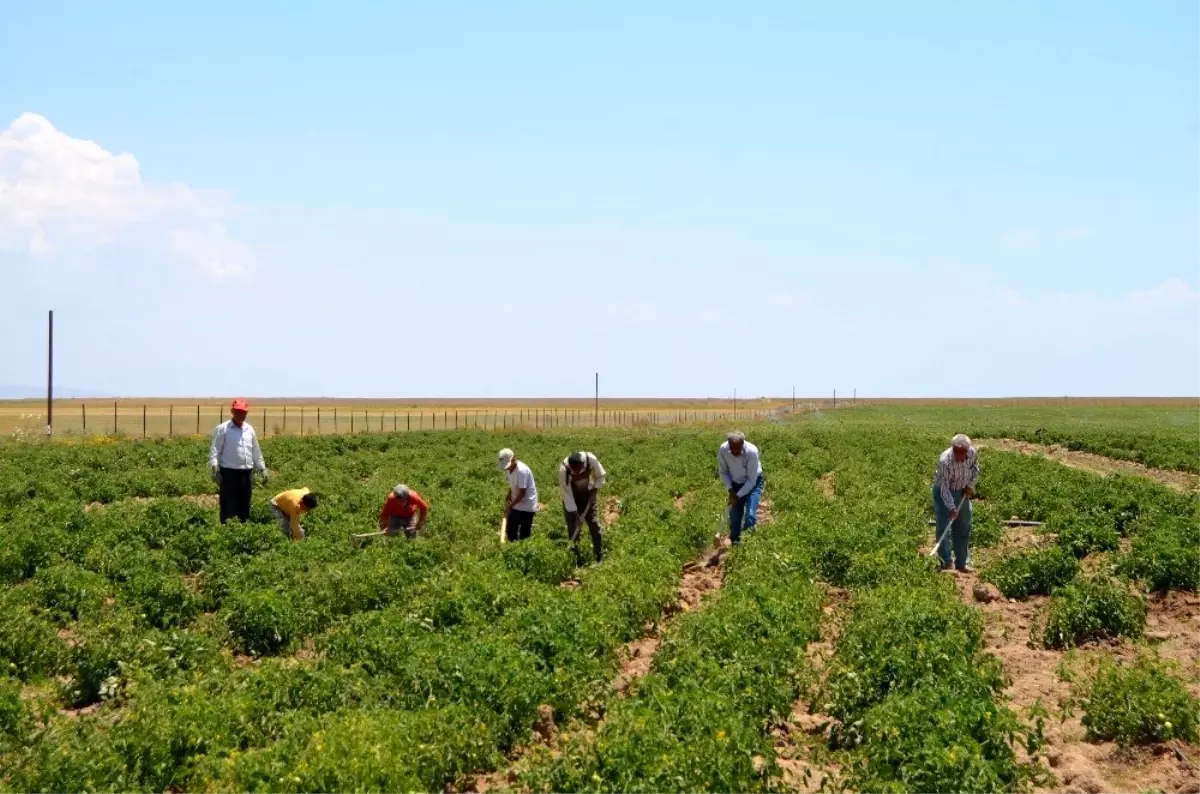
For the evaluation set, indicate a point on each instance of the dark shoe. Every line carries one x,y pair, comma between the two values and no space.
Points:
964,569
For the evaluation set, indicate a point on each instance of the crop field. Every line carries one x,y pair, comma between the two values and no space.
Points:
149,418
148,648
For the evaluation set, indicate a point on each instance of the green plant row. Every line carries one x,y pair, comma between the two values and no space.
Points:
450,631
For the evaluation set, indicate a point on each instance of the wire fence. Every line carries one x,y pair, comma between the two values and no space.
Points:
169,420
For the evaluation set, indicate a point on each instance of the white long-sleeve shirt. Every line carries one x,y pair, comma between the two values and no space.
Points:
743,469
953,475
593,472
235,447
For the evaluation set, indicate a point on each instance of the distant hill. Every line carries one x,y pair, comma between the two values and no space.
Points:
11,392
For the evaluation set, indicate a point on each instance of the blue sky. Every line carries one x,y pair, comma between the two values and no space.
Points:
482,199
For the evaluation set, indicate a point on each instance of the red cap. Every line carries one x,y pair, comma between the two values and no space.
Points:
241,405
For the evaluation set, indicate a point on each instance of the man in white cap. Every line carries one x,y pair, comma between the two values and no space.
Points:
741,471
232,456
953,486
580,477
520,504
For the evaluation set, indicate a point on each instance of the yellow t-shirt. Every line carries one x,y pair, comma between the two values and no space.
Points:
289,503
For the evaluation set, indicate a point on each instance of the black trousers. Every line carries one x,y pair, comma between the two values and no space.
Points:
236,486
587,511
519,526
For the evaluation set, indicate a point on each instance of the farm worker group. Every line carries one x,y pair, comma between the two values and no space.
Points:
580,477
953,486
235,454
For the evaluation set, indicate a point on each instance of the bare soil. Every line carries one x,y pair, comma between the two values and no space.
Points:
765,514
1037,678
612,510
1097,464
801,742
827,484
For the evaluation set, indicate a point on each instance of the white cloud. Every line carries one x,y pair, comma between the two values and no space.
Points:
61,195
1172,293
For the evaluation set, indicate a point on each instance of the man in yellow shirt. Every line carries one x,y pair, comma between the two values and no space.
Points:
289,506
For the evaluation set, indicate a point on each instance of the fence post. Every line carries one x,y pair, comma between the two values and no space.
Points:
266,427
284,419
143,420
114,417
197,420
408,420
318,420
83,408
381,421
301,420
352,421
335,420
456,419
171,420
435,420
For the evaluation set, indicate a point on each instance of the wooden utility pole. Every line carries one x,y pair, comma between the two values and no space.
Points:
50,375
597,408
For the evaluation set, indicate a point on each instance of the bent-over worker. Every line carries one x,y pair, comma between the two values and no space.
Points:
954,481
741,471
232,456
287,508
580,477
398,511
520,503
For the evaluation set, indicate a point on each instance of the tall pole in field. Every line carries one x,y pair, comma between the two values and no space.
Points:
597,405
793,399
50,375
735,405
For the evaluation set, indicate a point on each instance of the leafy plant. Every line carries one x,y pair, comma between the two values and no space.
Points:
1085,535
1029,573
1138,704
1092,609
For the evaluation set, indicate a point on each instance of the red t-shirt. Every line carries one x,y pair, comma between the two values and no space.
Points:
393,507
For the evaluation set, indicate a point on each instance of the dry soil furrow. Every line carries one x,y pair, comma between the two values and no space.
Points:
701,578
801,742
1079,765
1097,464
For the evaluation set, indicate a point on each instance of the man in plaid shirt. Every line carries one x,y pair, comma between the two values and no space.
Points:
954,482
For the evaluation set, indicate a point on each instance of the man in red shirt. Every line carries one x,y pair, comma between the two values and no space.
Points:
398,510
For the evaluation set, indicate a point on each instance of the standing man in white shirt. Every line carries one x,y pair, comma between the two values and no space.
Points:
954,484
741,471
580,476
233,456
520,504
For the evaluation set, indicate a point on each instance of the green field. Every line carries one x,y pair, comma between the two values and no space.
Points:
148,648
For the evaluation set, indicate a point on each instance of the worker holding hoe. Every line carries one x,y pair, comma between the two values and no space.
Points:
287,507
398,511
741,471
233,455
953,486
580,477
520,504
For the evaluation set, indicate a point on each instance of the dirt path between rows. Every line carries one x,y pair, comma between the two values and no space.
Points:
1081,766
1097,464
201,499
801,742
700,578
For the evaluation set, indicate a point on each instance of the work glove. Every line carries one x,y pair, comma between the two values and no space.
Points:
265,476
215,472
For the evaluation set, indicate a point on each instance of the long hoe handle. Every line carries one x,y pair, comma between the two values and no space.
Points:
946,531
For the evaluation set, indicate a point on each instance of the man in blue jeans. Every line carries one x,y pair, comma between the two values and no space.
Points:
741,471
954,484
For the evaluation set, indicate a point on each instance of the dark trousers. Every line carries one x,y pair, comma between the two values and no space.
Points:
236,485
520,525
586,510
396,525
